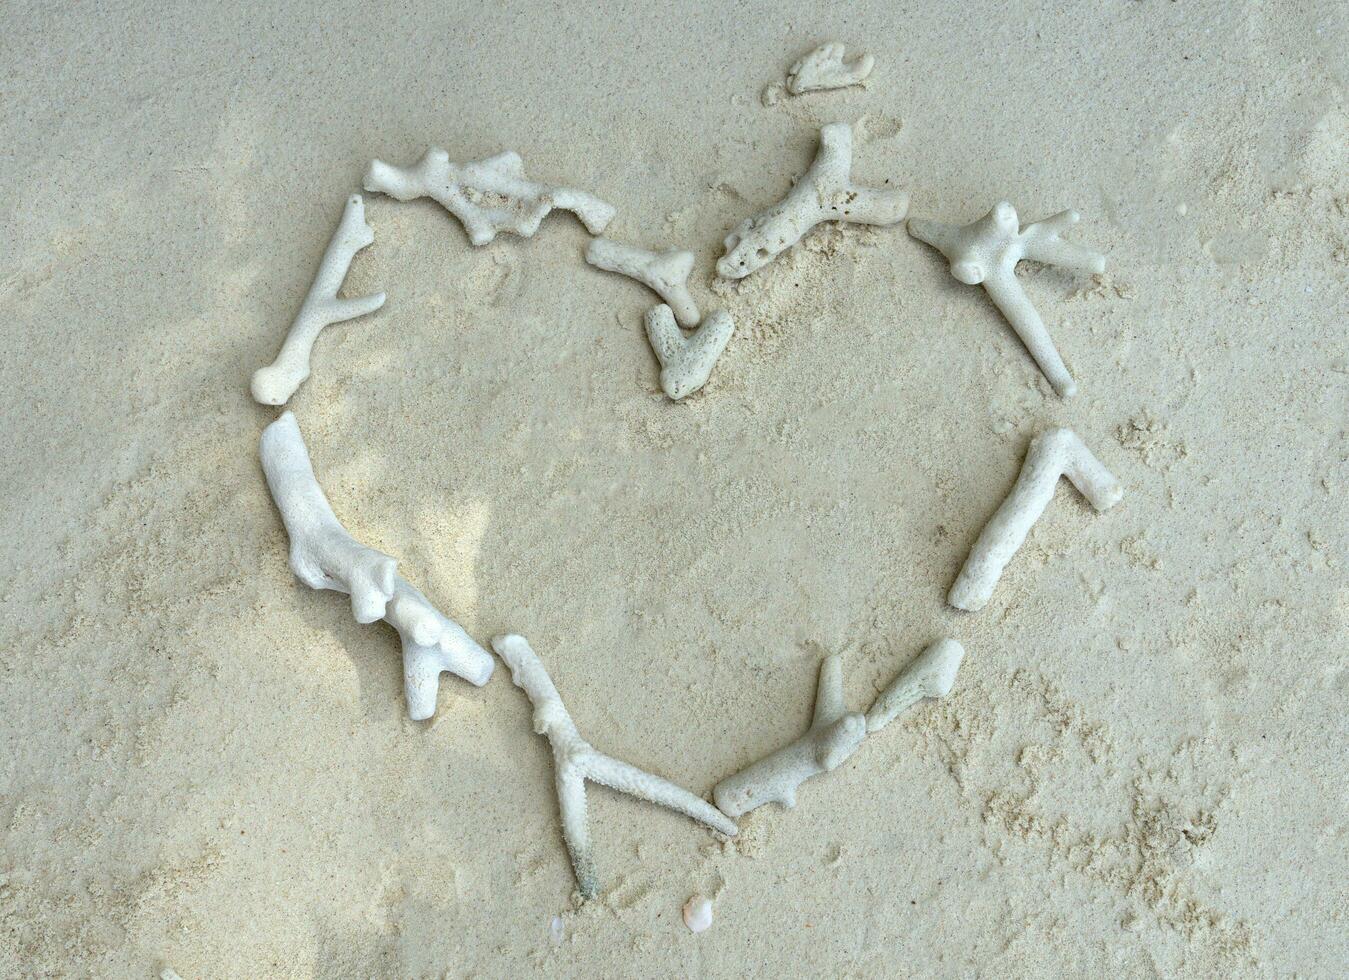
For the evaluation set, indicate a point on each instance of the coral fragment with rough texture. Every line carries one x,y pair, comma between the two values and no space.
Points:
931,675
825,193
488,196
833,737
836,733
686,361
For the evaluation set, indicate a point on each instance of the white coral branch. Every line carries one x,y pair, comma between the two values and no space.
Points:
931,675
986,252
833,736
1055,453
665,273
836,733
324,555
275,383
575,761
488,196
825,193
825,68
686,361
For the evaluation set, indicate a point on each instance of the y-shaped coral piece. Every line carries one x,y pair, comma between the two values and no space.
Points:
1055,453
275,383
575,761
324,556
487,196
987,251
825,193
824,68
686,362
666,273
834,733
833,736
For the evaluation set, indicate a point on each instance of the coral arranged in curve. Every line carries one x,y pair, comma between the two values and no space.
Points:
686,361
1052,454
575,760
985,252
275,383
836,733
324,555
488,196
825,193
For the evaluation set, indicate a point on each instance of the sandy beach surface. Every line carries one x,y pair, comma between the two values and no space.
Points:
207,767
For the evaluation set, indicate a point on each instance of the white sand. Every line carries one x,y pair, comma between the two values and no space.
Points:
206,766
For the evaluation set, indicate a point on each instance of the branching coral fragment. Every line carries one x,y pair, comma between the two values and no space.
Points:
686,362
488,196
666,273
1055,453
575,761
324,556
832,738
836,733
825,193
986,252
825,68
275,383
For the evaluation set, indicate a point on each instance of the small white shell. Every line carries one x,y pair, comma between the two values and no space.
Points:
698,913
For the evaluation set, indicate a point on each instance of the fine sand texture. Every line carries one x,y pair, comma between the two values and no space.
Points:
206,766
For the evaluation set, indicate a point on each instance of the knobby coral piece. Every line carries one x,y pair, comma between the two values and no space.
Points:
985,252
488,196
832,738
665,273
686,361
575,761
825,68
275,383
825,193
1055,453
835,733
324,555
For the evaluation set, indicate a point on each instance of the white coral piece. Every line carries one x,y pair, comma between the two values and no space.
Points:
686,361
832,738
835,733
1055,453
825,68
575,760
324,556
488,196
932,674
986,252
665,273
275,383
825,193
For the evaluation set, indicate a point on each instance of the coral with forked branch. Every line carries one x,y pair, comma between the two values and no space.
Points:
575,760
275,383
825,193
